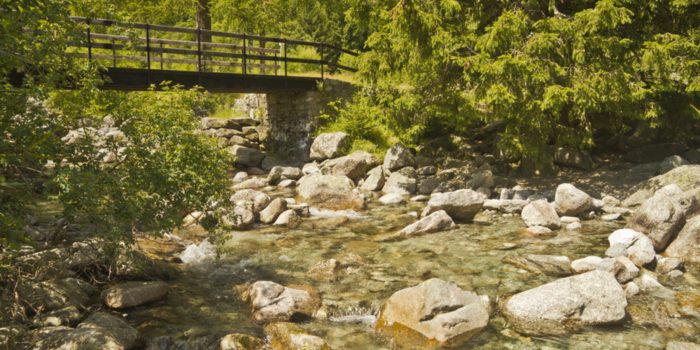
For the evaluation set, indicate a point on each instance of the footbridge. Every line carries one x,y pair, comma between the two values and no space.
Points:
142,56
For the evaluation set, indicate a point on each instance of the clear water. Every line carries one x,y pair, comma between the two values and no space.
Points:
203,301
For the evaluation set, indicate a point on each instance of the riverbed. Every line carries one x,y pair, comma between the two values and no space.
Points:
205,300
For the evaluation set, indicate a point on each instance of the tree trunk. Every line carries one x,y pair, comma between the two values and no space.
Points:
203,18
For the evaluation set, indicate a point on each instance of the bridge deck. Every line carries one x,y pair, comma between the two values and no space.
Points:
134,79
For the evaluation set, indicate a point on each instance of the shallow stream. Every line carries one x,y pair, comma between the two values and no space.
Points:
204,301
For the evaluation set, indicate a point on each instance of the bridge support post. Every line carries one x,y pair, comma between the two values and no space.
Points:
293,117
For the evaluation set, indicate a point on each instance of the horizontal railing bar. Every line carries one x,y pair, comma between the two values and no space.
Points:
156,27
173,60
181,42
189,52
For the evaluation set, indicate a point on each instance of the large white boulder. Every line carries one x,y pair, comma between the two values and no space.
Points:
437,310
591,298
540,213
461,205
571,201
397,157
329,145
330,192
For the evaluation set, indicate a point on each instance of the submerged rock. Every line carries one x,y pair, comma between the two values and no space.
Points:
461,205
591,298
540,213
434,312
437,221
288,336
131,294
274,302
552,265
330,192
329,145
238,341
571,201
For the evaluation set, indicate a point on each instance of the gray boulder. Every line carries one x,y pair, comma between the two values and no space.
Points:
131,294
686,177
354,165
289,218
435,222
573,158
52,338
401,182
437,311
274,302
392,199
240,217
461,205
571,201
670,163
374,180
112,326
660,217
260,200
427,185
586,264
687,245
329,145
279,173
634,245
252,183
246,157
621,267
273,210
511,206
591,298
329,191
540,213
397,157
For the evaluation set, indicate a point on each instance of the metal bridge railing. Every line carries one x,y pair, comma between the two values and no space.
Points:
180,48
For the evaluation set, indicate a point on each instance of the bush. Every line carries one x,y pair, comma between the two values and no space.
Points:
162,169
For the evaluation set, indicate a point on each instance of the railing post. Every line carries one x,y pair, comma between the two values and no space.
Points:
89,43
148,46
114,55
245,69
322,61
285,57
199,50
161,55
